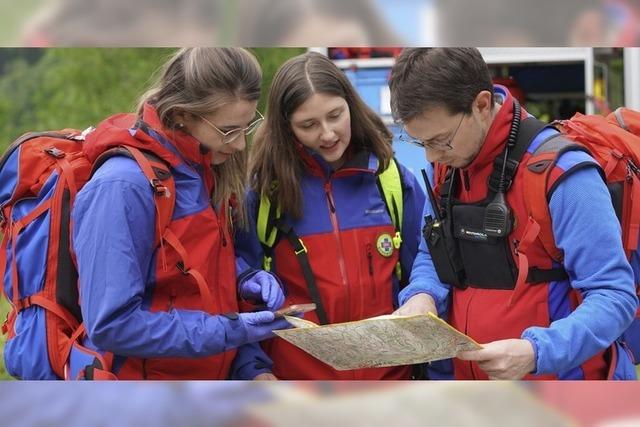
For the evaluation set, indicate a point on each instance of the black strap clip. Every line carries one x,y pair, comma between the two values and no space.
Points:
182,268
510,168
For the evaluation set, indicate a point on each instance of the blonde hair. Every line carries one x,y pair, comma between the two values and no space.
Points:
199,81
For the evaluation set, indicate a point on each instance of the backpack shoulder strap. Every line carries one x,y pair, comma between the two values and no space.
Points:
390,184
302,256
270,226
529,128
160,179
268,214
537,180
391,187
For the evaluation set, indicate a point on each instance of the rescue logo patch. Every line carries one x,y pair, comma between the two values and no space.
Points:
385,245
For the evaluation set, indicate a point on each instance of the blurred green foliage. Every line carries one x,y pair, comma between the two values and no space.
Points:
270,59
72,87
78,87
15,17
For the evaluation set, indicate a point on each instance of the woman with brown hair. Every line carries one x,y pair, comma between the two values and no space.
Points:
317,161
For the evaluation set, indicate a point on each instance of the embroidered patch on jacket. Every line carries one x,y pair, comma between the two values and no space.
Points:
385,245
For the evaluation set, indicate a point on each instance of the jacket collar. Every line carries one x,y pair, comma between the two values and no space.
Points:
358,160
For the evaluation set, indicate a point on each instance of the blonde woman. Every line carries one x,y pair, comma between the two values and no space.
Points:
162,304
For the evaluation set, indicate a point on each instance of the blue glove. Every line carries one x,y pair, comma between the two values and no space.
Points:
259,325
263,287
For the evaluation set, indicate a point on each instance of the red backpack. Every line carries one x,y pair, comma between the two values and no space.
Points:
614,142
40,175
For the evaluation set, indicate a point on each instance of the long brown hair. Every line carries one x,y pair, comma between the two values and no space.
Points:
200,81
274,158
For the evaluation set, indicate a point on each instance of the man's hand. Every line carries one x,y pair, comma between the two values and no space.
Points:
504,360
417,304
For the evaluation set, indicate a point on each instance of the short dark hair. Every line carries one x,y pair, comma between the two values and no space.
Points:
424,78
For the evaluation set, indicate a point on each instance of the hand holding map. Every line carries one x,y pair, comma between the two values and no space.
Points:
380,341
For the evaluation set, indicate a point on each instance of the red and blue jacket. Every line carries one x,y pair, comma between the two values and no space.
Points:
571,342
136,303
344,214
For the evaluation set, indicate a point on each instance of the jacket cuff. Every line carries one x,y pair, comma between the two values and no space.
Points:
405,296
243,268
527,335
234,330
246,274
250,370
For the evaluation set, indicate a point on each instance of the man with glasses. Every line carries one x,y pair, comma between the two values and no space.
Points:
530,324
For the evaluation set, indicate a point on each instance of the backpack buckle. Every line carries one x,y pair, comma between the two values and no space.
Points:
397,240
267,263
23,303
510,168
84,134
301,249
158,188
398,270
5,324
182,268
55,152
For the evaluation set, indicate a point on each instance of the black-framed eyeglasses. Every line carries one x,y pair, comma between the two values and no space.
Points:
233,134
405,137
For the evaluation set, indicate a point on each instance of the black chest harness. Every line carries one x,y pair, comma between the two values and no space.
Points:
469,242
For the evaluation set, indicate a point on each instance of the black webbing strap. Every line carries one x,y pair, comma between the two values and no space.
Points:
303,259
537,275
529,129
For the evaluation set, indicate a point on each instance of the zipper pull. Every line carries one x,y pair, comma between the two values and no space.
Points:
327,190
370,258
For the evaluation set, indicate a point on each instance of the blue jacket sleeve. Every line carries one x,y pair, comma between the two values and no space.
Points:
413,202
586,229
250,361
424,278
114,220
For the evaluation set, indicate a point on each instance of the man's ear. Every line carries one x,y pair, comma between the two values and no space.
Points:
483,104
